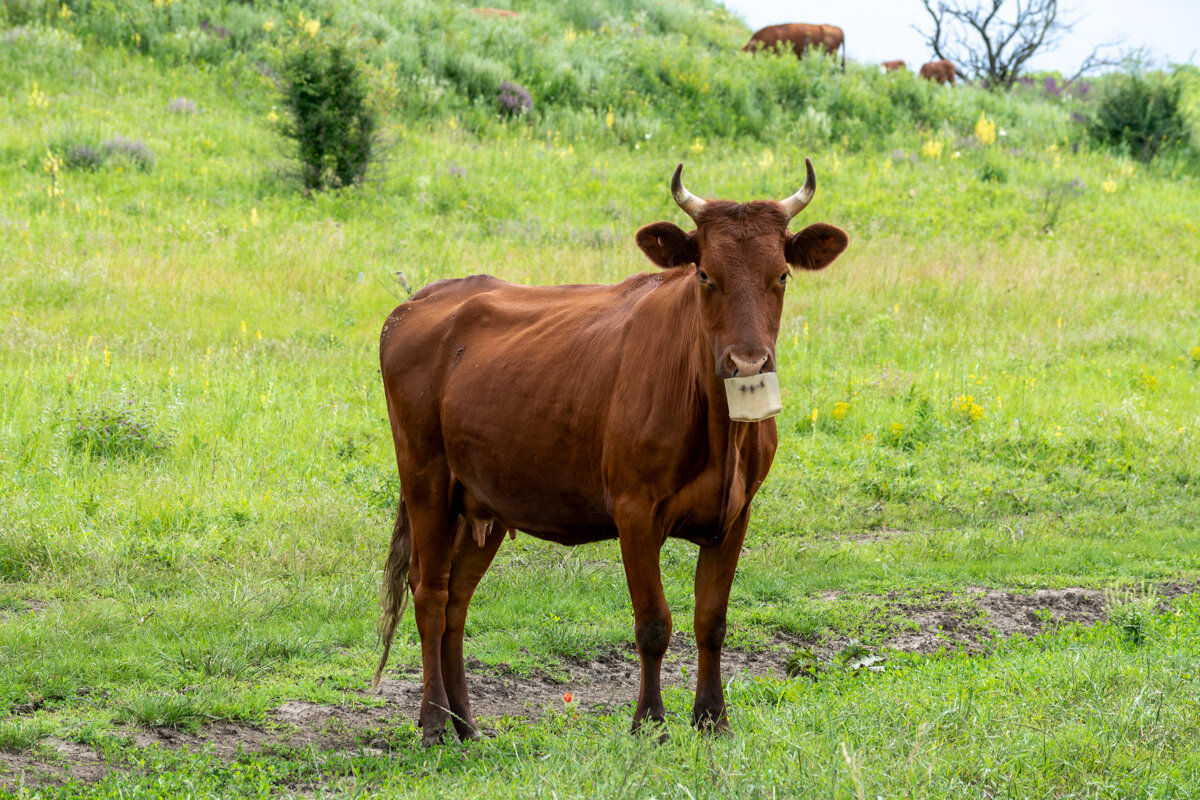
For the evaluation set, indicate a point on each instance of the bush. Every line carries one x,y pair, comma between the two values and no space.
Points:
1141,115
514,100
132,150
328,116
83,156
119,432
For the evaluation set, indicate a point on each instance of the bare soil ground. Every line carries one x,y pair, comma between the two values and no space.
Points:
969,620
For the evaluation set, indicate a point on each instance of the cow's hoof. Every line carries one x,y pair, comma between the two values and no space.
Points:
435,734
651,728
469,733
710,724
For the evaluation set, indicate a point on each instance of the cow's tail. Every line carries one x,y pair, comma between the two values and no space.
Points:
393,592
843,53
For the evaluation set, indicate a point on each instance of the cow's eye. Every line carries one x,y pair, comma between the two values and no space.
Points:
702,275
783,278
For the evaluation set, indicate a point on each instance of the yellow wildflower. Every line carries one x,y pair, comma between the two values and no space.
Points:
1109,186
932,148
268,26
840,409
1195,355
965,406
609,118
698,146
570,35
813,417
985,129
312,27
37,98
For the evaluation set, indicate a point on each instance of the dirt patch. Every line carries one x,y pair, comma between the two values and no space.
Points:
53,763
24,606
971,619
604,684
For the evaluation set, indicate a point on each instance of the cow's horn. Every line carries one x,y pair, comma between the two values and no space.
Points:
796,203
686,200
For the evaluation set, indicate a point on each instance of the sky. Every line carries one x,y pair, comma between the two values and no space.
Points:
881,30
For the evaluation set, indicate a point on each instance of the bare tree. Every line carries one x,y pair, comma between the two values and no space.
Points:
991,46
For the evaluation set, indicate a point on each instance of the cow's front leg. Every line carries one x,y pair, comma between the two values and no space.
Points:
651,616
714,577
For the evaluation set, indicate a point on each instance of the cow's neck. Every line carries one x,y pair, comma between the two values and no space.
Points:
728,441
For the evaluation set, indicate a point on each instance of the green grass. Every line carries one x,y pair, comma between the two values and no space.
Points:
1078,711
216,553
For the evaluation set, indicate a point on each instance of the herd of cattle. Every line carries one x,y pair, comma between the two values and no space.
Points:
800,37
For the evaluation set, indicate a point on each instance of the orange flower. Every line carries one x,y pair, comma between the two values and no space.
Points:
567,697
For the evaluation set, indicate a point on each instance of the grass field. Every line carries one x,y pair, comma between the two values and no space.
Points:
996,389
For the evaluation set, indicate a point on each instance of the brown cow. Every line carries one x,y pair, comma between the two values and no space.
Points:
800,37
495,12
582,413
941,71
892,66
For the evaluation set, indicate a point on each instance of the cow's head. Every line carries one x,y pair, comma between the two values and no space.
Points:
740,254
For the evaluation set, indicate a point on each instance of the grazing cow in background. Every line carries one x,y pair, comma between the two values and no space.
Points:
941,71
800,37
892,66
495,12
590,412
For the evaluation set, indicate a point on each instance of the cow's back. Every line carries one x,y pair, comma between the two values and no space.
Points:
512,385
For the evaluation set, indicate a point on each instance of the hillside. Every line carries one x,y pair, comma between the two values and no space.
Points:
992,398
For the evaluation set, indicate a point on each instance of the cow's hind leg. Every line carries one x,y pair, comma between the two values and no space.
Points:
714,577
434,527
475,546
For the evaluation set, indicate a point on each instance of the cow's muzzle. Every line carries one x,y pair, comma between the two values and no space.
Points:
742,362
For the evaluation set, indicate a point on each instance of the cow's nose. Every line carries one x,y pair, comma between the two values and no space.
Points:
741,362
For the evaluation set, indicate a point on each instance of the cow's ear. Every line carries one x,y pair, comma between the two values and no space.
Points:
667,245
816,246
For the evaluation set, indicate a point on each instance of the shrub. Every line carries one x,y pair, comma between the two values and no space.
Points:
1142,115
120,432
181,105
132,150
328,116
514,99
83,156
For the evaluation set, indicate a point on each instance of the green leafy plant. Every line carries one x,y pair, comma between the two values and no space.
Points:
1132,613
122,431
19,735
329,117
1142,115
